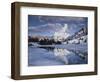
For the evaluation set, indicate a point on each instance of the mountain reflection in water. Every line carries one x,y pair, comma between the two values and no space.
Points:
46,56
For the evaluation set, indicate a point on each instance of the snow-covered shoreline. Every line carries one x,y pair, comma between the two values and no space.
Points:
80,47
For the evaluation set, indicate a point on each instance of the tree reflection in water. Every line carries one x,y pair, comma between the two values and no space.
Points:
66,56
61,54
56,55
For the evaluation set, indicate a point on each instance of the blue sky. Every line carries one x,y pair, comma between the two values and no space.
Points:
48,25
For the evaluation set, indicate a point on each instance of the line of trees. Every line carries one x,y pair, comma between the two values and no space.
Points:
44,41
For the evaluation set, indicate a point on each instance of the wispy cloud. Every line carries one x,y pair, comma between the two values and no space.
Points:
45,29
60,19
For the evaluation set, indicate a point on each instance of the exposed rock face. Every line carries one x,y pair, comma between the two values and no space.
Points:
79,37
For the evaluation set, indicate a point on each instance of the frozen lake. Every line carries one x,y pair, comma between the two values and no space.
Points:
48,55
